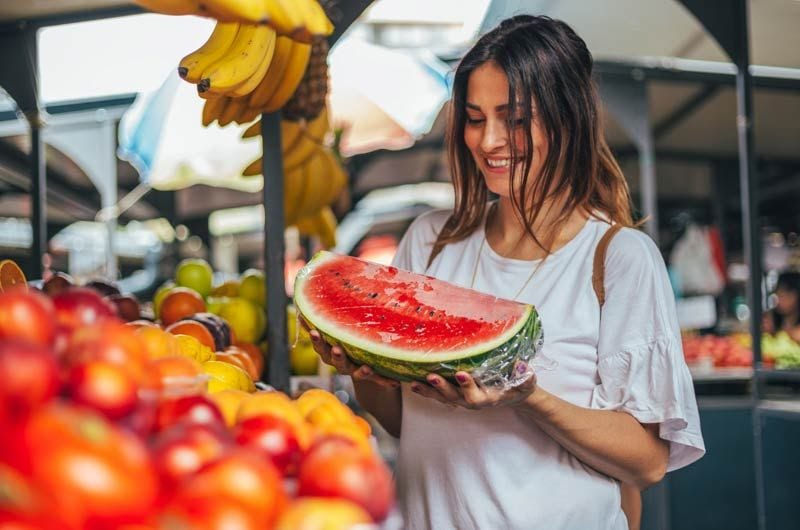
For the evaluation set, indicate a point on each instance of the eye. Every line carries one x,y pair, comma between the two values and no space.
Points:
519,122
474,121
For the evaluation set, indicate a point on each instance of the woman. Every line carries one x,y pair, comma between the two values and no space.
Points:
618,405
785,316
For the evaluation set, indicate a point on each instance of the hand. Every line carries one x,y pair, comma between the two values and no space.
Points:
335,356
472,395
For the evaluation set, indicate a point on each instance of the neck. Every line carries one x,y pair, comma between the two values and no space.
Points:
506,232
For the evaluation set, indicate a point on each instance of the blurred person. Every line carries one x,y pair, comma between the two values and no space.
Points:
572,446
785,316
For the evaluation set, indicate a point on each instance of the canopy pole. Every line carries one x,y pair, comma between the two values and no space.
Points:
274,252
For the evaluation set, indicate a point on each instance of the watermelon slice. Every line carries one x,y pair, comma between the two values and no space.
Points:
406,325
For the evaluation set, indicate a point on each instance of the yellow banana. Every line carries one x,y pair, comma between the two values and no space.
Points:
246,115
240,62
253,131
318,127
291,78
321,224
170,7
314,171
277,68
254,80
231,110
315,21
191,67
294,186
288,15
212,109
254,11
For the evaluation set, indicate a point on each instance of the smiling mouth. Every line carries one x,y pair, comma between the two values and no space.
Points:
498,162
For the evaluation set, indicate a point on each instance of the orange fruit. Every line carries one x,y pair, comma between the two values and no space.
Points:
313,397
240,358
189,346
346,431
327,513
175,373
11,276
255,355
180,302
276,404
157,342
194,329
228,402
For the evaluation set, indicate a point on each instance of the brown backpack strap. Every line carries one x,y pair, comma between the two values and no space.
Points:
599,266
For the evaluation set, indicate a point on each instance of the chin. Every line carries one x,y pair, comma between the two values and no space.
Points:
497,185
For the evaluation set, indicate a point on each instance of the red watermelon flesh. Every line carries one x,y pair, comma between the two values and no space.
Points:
406,324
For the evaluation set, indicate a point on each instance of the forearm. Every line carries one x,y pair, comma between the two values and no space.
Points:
385,404
614,443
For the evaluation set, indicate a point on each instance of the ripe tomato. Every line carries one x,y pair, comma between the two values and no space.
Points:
243,476
97,474
197,409
182,449
274,438
27,316
29,375
105,387
110,341
220,512
336,468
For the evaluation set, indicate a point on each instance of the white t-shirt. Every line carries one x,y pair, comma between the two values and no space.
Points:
489,469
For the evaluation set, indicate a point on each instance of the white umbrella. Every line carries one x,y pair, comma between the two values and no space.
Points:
384,97
162,136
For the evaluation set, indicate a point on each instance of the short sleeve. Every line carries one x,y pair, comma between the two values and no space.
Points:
417,243
640,356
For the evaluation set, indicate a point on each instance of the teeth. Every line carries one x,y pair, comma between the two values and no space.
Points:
505,162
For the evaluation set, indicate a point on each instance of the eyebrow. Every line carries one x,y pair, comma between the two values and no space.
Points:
477,107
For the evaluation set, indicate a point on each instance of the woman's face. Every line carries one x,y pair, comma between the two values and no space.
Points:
787,302
486,133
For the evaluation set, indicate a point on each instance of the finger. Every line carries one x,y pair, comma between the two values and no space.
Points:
341,361
365,373
320,346
471,392
441,385
427,391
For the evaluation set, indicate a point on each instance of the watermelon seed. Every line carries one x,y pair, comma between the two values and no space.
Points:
430,313
419,308
373,295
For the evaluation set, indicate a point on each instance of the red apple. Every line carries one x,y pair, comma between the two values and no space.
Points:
105,387
27,316
57,283
182,449
81,306
29,375
127,306
337,468
274,438
196,409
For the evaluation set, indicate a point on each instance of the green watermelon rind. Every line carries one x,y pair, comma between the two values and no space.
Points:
494,364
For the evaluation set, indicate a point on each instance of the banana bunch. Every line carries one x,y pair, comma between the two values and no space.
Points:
322,224
300,20
243,70
299,141
312,186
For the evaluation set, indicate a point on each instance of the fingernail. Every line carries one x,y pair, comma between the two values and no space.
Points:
521,368
415,387
433,381
395,384
336,354
461,378
366,370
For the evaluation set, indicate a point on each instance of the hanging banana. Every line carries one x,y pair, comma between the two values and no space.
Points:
240,61
191,67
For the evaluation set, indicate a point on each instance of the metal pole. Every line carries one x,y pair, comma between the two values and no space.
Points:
274,251
38,197
751,228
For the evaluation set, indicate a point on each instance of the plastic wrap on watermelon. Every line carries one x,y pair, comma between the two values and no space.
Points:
406,325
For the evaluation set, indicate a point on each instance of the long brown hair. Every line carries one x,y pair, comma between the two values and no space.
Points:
545,61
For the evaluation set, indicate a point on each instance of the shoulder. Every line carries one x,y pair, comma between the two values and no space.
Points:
417,243
430,222
632,249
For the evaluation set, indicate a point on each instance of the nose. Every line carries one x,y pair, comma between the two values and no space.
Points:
495,135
